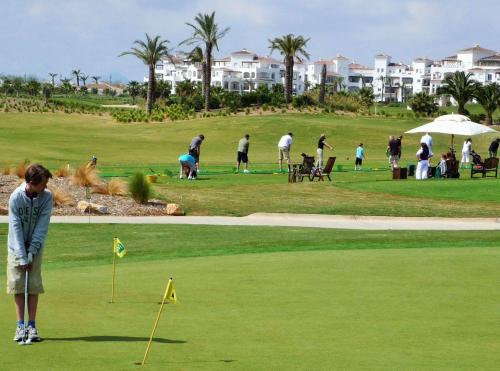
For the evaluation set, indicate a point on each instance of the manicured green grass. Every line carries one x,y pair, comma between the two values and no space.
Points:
72,138
377,300
123,149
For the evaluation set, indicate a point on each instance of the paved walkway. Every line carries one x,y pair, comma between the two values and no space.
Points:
296,220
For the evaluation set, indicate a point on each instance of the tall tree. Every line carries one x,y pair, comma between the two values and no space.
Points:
149,52
77,74
84,79
196,56
488,96
291,48
461,87
322,85
206,31
96,79
382,82
134,89
53,77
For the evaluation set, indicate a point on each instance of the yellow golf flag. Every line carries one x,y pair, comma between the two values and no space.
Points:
119,248
170,293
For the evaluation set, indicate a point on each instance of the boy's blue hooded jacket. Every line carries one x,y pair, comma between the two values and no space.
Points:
28,222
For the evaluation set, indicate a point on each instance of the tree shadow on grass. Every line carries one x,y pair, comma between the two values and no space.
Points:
116,338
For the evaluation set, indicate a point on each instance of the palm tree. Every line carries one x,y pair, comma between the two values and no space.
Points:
461,87
96,79
84,78
196,56
291,48
489,97
77,74
321,99
149,52
206,31
382,81
134,89
53,76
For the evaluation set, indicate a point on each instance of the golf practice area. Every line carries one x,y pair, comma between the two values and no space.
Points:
266,297
255,298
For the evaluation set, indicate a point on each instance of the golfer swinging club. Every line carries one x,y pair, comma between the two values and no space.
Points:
30,207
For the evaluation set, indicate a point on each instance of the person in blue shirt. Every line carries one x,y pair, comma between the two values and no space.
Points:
360,155
188,166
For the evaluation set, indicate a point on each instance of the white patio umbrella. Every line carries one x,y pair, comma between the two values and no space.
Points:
454,125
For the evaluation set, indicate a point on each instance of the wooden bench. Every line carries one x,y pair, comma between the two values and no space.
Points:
326,170
490,165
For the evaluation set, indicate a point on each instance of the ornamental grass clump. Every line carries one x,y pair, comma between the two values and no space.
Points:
20,169
139,188
86,176
115,187
63,172
61,198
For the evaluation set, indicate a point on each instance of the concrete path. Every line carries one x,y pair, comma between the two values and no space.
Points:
296,220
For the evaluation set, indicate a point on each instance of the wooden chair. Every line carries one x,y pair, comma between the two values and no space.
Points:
305,170
490,165
326,170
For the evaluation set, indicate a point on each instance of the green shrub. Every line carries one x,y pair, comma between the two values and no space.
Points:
139,188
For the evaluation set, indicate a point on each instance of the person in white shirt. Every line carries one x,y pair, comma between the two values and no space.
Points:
427,139
466,149
284,150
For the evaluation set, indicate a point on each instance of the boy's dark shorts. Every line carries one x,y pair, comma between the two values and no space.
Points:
242,157
359,161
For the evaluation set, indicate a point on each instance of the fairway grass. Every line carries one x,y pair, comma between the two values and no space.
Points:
323,310
123,149
263,298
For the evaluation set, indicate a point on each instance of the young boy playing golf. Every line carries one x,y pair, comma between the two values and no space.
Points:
30,207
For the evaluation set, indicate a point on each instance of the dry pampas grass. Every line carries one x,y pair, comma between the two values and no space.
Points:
6,171
86,177
20,170
114,187
61,198
63,172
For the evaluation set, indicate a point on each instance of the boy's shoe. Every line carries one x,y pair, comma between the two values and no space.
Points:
33,334
246,171
19,335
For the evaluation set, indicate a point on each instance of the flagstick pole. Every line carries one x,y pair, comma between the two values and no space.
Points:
156,323
114,271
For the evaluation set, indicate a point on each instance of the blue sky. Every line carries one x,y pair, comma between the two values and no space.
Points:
41,36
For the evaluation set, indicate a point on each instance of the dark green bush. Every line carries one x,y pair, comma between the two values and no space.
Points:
139,188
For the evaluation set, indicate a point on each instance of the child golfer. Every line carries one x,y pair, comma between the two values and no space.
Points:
30,207
360,155
188,166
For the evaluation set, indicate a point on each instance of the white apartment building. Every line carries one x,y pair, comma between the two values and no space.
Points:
243,71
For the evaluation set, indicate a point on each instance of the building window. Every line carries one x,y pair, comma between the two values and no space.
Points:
159,66
253,75
246,75
235,86
272,76
226,85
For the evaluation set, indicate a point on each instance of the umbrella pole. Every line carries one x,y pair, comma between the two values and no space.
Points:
452,136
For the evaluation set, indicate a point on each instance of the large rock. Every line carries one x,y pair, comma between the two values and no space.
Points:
4,210
174,209
89,207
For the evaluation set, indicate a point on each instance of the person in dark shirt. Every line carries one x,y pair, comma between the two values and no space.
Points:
393,150
194,149
400,138
494,147
319,151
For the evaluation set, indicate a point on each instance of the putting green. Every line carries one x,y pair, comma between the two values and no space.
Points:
316,310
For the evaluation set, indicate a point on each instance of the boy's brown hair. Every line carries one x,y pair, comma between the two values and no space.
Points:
36,174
